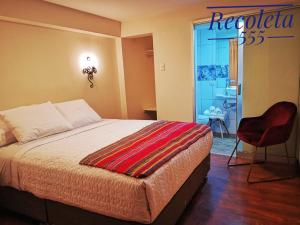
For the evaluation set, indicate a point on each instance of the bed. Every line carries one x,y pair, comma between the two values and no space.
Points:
44,180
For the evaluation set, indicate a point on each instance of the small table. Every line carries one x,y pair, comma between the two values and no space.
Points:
218,118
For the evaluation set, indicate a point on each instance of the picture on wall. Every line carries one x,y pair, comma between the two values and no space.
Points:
212,72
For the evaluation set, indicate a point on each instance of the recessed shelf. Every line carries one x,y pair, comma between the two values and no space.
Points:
149,52
150,109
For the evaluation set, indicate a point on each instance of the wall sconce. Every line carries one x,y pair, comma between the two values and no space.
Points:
89,69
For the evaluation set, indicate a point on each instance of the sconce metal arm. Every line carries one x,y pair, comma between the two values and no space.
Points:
90,71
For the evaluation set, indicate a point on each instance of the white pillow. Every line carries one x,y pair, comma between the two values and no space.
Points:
6,136
78,113
32,122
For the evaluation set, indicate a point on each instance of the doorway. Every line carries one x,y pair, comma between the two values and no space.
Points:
138,60
218,83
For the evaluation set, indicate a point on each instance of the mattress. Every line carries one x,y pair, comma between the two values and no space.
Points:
49,168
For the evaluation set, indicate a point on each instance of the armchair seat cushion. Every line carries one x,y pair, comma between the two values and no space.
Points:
250,137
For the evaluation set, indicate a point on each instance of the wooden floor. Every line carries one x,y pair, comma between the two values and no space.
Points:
227,199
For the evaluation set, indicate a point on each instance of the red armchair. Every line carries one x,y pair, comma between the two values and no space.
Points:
271,128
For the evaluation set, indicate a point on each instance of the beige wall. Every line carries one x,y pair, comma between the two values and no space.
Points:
271,71
139,76
51,14
172,38
298,128
173,41
172,46
40,64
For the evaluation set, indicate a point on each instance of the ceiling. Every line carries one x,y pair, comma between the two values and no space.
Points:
126,10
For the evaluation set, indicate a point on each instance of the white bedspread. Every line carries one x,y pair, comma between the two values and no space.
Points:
49,168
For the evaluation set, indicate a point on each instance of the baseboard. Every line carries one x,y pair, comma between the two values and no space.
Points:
270,157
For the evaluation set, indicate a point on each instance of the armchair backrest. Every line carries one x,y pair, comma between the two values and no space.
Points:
281,113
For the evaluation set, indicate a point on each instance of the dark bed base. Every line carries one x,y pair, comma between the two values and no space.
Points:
60,214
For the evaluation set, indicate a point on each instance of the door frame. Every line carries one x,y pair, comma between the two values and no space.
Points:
225,16
207,20
239,98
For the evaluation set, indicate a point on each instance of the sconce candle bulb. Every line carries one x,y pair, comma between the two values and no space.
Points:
90,70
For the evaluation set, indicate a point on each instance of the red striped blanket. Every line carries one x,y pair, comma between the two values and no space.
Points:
142,153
